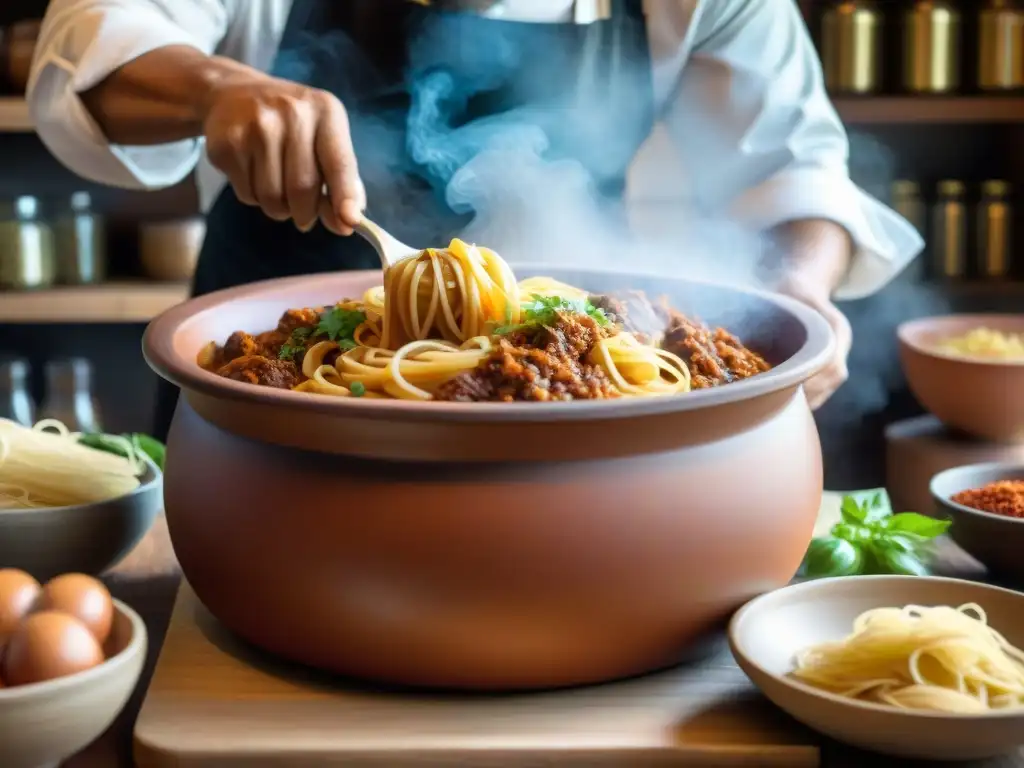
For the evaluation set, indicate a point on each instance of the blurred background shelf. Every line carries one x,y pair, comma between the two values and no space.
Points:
893,110
14,115
109,303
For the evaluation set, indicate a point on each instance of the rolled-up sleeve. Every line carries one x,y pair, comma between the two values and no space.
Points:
84,41
760,140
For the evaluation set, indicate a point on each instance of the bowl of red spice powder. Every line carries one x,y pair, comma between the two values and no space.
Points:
986,505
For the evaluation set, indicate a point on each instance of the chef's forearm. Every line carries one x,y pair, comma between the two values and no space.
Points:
816,252
160,97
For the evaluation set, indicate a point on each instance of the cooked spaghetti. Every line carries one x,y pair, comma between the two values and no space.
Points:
45,466
938,658
986,343
454,325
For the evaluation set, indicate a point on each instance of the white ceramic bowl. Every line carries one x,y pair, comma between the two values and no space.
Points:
43,724
767,633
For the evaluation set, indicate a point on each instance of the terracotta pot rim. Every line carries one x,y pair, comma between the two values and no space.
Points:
160,354
910,332
1005,469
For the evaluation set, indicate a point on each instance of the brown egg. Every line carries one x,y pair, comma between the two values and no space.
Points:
83,597
49,645
18,593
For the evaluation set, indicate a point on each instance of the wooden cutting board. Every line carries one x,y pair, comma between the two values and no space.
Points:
214,703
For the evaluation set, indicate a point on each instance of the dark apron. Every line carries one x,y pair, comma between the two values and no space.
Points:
426,91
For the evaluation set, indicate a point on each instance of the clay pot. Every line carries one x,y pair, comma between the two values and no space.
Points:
984,398
488,546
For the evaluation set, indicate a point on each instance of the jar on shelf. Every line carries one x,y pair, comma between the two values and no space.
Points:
907,201
851,46
994,229
931,32
79,242
69,397
1001,45
948,244
26,245
16,401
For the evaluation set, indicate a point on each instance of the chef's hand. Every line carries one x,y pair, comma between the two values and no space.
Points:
819,253
823,385
281,144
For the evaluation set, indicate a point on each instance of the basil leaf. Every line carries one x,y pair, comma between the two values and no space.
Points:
911,522
152,447
896,561
905,542
830,556
851,511
878,506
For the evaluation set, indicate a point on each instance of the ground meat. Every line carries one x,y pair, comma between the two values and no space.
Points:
542,365
265,371
242,344
694,344
741,362
269,344
713,357
614,308
299,318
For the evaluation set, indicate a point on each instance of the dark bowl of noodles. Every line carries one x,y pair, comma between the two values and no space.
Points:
488,545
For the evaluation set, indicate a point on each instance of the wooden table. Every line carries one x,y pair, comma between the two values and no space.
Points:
148,581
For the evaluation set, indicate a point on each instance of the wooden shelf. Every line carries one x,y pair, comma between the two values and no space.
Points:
993,289
893,110
109,303
14,115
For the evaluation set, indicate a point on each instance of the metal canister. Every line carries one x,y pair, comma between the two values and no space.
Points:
1001,45
26,245
931,47
79,242
994,229
907,201
851,46
948,244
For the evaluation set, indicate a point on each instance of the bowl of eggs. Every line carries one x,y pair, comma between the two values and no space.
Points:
70,657
968,370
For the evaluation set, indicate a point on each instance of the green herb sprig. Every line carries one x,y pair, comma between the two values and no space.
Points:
870,539
336,324
145,444
543,311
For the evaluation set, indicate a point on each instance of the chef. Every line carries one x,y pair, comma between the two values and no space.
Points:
295,113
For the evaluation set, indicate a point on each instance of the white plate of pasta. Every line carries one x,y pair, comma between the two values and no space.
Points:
918,667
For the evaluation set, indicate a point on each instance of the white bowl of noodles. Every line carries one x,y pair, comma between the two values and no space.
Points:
932,670
66,507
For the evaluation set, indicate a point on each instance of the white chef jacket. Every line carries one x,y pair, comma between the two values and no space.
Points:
737,83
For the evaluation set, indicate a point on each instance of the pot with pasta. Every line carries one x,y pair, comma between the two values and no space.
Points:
466,475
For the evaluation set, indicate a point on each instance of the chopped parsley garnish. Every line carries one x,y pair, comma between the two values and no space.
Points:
337,324
544,311
358,389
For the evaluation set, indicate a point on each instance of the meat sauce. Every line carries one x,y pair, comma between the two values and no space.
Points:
539,365
714,357
255,359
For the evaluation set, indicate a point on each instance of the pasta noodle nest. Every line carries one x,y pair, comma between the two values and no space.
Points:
45,466
940,659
